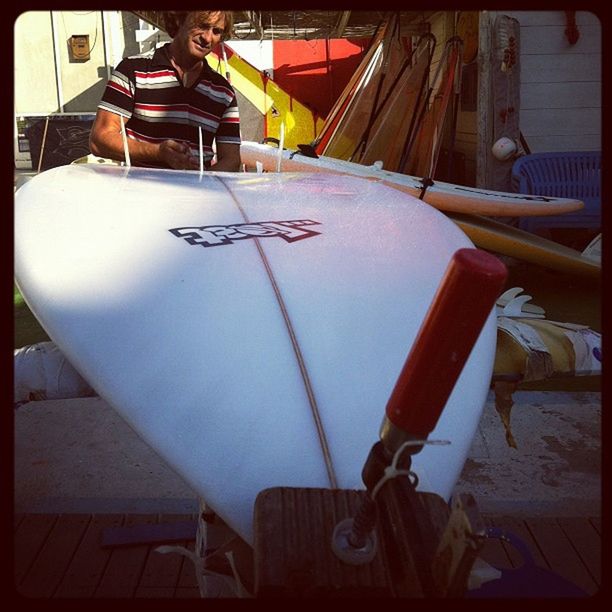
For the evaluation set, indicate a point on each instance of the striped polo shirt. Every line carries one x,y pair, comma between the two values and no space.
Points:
147,91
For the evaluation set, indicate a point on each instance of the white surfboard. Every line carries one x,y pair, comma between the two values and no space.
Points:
250,327
441,195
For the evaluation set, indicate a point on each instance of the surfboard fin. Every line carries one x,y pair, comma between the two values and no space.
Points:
593,249
512,304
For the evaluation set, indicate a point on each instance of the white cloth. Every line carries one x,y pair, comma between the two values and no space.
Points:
42,372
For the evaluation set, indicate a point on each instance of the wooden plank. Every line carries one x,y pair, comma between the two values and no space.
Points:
60,556
551,39
555,68
587,543
559,553
187,578
154,593
219,540
561,121
484,127
187,593
218,533
493,552
125,566
519,528
162,570
30,537
48,569
543,18
17,518
584,142
159,533
216,561
87,566
560,95
292,533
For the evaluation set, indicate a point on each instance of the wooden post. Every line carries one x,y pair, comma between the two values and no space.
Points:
484,104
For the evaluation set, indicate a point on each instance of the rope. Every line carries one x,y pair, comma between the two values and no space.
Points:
391,470
201,572
325,450
42,146
426,182
126,149
365,518
199,557
201,149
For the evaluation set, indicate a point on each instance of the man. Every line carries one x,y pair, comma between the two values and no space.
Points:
164,100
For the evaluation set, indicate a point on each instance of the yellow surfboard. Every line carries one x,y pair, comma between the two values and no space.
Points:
507,240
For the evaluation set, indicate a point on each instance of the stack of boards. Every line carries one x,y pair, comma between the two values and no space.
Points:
467,206
250,327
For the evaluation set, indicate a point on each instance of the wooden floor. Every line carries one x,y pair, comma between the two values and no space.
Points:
61,556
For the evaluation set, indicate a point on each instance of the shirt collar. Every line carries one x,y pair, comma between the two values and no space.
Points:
161,57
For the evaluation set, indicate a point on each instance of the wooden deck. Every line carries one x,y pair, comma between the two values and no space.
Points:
60,555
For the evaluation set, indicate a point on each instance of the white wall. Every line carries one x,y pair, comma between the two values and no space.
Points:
48,79
258,53
43,85
34,85
560,83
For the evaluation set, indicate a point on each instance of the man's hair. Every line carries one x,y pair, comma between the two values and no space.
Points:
173,20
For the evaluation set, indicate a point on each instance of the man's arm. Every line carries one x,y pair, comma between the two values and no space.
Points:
228,157
106,140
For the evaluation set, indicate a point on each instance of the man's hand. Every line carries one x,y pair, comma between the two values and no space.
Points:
177,155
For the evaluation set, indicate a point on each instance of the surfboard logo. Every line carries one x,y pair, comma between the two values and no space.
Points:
217,235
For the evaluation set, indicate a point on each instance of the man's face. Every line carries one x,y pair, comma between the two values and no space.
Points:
200,32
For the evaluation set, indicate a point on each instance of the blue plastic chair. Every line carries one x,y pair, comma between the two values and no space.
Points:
574,174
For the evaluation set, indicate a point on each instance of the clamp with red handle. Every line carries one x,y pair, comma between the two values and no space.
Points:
467,293
472,283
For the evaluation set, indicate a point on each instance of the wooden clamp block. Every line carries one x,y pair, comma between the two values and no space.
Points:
293,556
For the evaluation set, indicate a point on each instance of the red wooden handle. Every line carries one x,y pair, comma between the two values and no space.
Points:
472,283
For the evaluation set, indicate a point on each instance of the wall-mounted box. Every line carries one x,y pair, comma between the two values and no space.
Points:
79,47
